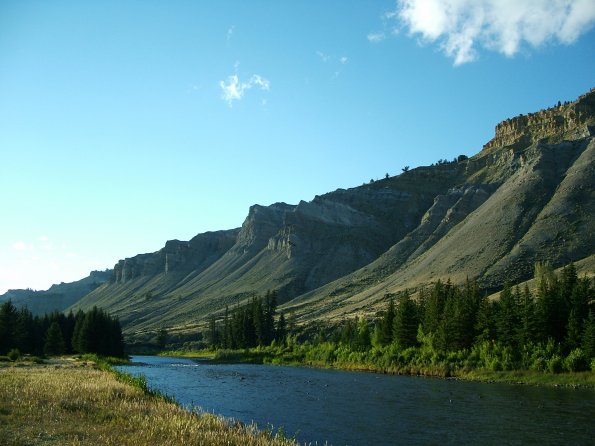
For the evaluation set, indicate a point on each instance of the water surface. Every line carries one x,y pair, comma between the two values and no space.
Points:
350,408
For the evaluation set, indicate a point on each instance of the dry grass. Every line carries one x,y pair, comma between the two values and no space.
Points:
75,403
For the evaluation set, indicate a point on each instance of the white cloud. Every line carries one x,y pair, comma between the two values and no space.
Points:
376,37
343,60
324,57
461,26
19,246
230,31
234,90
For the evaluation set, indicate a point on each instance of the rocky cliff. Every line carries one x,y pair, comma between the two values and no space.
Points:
569,121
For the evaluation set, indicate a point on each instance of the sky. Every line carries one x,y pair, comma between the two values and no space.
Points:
124,124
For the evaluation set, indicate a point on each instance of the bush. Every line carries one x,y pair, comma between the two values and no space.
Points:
576,361
593,365
14,354
555,364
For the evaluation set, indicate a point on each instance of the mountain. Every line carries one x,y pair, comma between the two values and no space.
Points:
527,196
57,297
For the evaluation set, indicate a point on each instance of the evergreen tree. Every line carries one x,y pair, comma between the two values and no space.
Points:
406,322
507,316
162,338
54,341
527,332
8,317
386,324
589,336
281,331
485,324
362,338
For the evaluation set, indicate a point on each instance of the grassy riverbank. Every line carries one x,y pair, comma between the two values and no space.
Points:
70,401
312,357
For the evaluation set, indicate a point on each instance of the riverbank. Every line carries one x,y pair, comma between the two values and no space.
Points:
270,355
73,401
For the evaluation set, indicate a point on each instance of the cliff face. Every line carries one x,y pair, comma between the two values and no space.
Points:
176,256
569,121
527,196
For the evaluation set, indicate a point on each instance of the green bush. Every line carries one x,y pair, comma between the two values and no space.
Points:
576,361
14,354
593,365
555,364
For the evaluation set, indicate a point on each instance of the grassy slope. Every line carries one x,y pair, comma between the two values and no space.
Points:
74,403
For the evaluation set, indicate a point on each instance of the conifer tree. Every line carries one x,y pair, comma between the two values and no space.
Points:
54,341
405,322
589,336
386,324
8,316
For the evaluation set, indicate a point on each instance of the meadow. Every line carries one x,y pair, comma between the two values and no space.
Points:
69,401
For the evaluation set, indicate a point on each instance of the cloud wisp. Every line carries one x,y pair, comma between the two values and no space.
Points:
234,90
461,26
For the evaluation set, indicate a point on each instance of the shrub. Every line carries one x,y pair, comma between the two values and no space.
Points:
593,365
14,354
555,364
576,361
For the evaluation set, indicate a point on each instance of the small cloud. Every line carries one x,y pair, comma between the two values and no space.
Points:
343,60
234,90
230,31
43,238
324,57
19,246
376,37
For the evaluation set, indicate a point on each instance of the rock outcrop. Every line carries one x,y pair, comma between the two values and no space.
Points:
572,121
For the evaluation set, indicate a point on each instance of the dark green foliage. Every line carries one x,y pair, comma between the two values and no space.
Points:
56,333
54,341
385,332
248,326
162,338
8,316
406,322
588,343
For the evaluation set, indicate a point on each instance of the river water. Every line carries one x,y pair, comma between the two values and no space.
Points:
350,408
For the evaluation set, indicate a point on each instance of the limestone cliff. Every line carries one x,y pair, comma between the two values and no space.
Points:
565,121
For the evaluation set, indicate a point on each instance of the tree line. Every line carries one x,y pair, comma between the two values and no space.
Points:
54,334
550,328
250,325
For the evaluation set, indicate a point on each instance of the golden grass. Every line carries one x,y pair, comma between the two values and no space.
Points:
75,403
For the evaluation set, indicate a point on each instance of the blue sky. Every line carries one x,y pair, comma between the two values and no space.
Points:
127,123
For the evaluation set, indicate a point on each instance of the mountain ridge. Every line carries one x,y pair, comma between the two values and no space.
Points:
526,196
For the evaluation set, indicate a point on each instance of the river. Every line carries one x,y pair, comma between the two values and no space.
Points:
351,408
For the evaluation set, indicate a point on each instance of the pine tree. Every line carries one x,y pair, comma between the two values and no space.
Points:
8,317
386,324
162,338
54,341
507,316
485,323
281,331
362,339
527,332
589,336
405,322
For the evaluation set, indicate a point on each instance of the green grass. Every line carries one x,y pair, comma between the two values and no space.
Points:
323,357
69,401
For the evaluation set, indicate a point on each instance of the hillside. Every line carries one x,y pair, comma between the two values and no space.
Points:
58,297
527,196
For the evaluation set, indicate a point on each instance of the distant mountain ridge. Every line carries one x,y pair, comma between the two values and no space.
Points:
527,196
58,297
